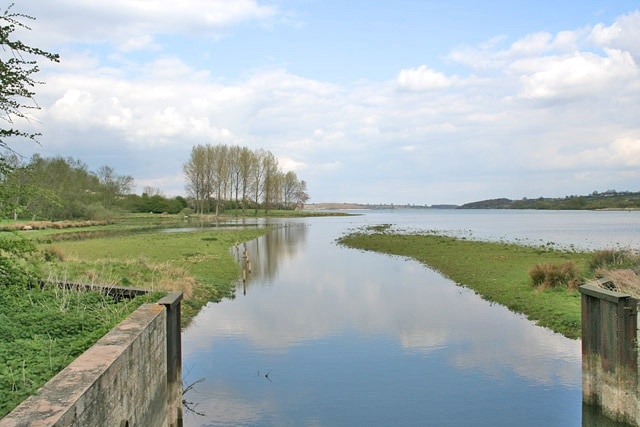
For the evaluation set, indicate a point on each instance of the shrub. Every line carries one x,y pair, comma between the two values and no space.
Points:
53,253
617,258
550,275
16,267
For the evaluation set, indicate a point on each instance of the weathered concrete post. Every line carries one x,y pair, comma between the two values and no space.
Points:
609,353
174,358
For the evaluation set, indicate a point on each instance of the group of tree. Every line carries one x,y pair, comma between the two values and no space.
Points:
221,175
152,200
59,188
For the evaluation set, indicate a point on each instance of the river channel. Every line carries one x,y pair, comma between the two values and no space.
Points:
323,335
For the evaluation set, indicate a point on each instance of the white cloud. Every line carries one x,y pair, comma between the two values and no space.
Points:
138,43
567,41
577,74
623,34
626,150
532,44
423,78
133,24
288,164
537,104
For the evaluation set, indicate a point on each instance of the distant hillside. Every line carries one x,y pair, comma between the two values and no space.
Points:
608,200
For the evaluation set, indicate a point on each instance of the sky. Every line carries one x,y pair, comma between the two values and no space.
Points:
405,101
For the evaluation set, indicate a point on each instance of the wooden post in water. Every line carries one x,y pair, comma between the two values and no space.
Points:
246,269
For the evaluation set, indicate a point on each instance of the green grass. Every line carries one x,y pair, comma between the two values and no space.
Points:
43,330
200,262
497,271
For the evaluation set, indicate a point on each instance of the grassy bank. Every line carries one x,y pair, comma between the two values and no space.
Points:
496,271
198,263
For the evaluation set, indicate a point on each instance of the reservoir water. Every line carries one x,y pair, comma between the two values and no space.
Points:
323,335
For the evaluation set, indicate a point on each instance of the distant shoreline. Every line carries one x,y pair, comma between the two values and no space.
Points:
358,206
478,206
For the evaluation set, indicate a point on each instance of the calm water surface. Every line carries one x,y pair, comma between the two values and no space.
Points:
322,335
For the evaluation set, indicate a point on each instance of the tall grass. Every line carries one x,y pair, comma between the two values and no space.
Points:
198,263
552,275
620,266
614,258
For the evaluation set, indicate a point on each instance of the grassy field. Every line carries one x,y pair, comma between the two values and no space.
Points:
497,271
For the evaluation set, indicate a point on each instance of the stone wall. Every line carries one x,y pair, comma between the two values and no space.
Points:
130,377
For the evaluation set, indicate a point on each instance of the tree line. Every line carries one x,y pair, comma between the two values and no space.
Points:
59,188
610,199
220,175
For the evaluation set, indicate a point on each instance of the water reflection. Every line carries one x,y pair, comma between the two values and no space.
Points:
266,254
352,337
422,310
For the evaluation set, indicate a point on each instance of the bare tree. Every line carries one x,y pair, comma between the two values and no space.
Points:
195,171
235,153
219,174
289,187
257,177
247,165
270,179
113,186
301,194
152,191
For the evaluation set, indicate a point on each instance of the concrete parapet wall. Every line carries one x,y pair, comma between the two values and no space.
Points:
609,353
126,379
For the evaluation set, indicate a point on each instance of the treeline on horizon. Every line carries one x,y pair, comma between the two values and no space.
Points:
610,199
63,188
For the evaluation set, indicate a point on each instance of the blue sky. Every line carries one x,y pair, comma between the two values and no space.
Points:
422,102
